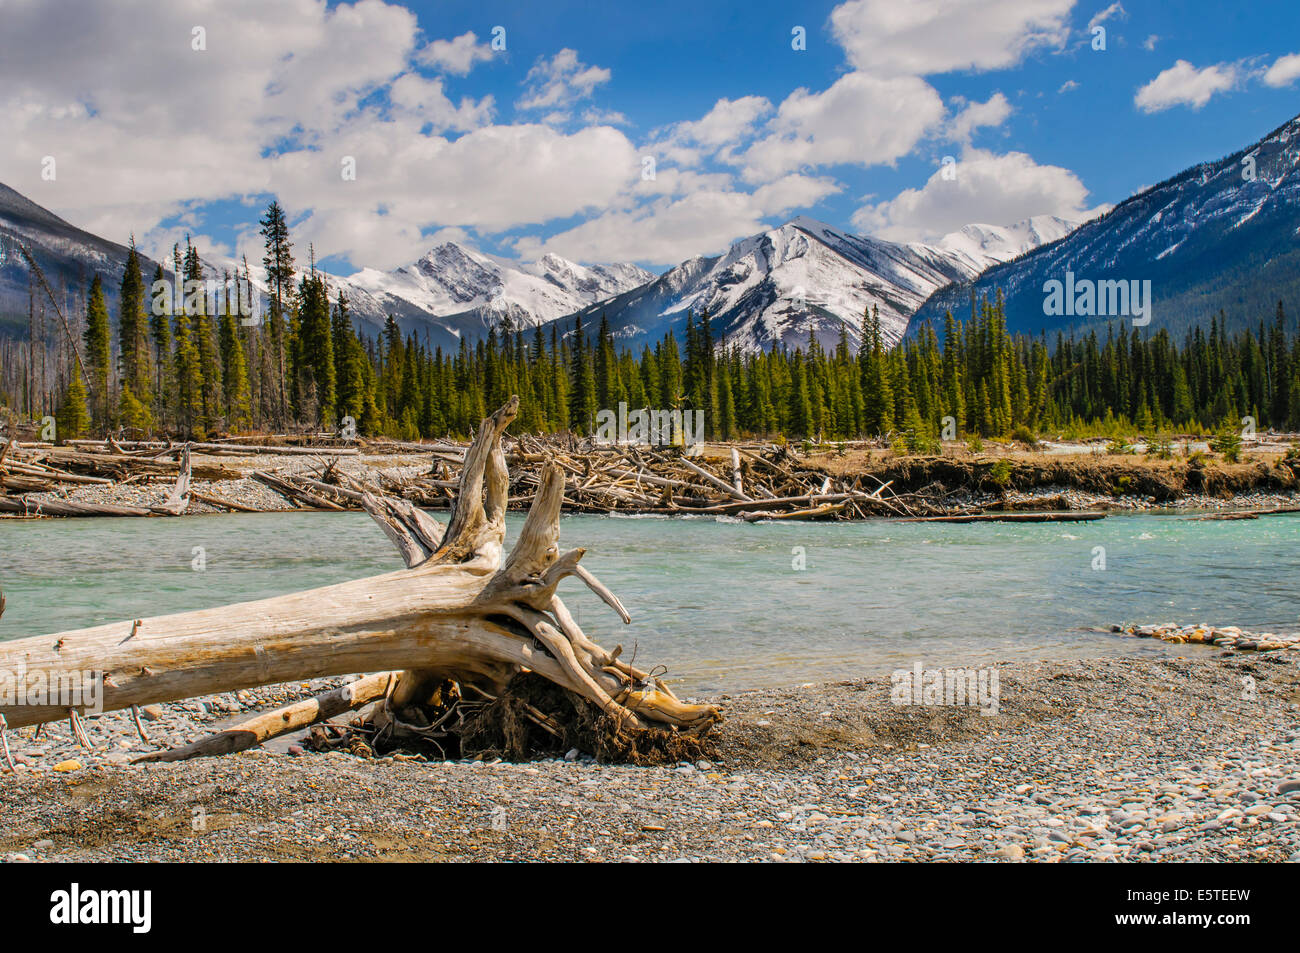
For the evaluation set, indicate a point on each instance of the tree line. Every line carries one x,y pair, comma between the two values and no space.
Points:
304,366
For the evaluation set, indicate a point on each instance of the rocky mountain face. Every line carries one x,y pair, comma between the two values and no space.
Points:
1220,236
805,277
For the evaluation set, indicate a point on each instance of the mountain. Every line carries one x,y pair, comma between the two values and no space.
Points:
450,292
467,291
68,256
779,286
1222,235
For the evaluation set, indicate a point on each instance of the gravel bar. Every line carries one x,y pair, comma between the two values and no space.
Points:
1193,757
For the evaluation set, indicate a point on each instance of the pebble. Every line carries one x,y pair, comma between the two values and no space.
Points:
1091,760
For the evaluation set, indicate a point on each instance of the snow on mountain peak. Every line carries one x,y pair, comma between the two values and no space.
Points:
999,243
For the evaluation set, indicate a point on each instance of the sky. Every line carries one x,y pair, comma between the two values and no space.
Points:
617,131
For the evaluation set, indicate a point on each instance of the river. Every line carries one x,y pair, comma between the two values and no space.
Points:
724,604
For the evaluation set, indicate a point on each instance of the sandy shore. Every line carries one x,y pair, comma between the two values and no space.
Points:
1191,757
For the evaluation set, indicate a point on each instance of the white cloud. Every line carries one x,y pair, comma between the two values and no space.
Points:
1068,86
425,100
973,116
1283,72
987,189
1150,42
275,110
456,56
791,192
560,81
668,231
1114,10
728,121
921,37
491,179
1185,85
725,128
861,119
604,117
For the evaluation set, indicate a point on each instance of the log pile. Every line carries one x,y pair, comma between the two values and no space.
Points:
747,482
28,469
465,642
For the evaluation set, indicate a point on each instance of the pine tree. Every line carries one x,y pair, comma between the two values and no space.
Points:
72,418
161,336
278,262
133,328
234,372
98,357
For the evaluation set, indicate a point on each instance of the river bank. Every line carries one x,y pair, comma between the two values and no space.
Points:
834,484
1186,756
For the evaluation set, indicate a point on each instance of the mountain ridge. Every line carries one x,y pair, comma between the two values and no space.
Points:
1210,238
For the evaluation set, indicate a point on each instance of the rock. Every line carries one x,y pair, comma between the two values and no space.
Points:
24,859
42,844
72,764
152,712
1011,852
572,754
1289,787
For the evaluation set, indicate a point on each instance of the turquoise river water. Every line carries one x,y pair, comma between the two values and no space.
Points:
723,603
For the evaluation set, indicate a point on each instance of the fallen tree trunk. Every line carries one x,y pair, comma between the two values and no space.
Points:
462,611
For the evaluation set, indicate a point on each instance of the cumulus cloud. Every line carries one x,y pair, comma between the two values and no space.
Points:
670,230
986,188
720,132
277,109
922,37
456,56
862,119
489,180
560,82
1185,85
974,116
1284,71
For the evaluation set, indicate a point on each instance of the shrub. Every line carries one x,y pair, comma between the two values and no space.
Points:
1160,446
1227,442
1026,436
1001,473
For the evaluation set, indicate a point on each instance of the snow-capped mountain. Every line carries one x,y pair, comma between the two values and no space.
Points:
779,286
1000,243
1220,236
470,291
450,292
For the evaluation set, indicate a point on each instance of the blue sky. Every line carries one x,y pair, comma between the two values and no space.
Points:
186,117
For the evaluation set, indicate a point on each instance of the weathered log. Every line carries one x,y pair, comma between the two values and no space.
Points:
463,610
282,721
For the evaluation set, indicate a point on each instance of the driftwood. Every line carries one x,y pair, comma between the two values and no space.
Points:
175,504
462,611
1074,516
